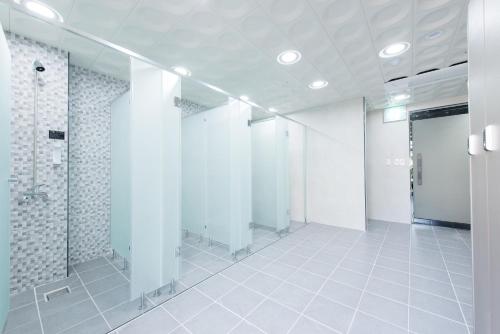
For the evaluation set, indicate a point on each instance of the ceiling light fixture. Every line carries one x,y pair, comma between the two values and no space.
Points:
244,98
43,10
289,57
273,110
181,71
401,97
394,50
318,84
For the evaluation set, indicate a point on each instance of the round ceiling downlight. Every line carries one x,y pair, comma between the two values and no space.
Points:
394,50
43,10
244,98
289,57
181,71
273,109
318,84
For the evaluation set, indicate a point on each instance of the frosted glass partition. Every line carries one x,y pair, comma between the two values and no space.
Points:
120,176
155,177
216,177
5,64
270,174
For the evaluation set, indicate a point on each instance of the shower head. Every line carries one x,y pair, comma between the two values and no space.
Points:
38,66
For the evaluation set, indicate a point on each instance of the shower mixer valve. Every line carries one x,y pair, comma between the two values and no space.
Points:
33,194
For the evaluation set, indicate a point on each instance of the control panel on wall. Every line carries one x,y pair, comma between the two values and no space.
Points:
57,146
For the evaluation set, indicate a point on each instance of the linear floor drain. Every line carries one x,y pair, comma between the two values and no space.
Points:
51,295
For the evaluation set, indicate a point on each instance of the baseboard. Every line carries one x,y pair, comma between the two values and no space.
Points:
441,223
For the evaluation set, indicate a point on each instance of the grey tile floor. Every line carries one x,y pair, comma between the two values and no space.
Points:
391,279
100,291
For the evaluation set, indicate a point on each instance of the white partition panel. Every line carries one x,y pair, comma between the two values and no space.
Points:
270,174
120,175
296,151
264,173
218,159
240,175
216,189
155,177
194,173
282,175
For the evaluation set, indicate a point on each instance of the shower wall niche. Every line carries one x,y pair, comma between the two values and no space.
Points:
38,236
90,97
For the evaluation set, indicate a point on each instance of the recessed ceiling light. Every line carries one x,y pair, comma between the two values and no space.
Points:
244,98
43,10
289,57
318,84
182,71
401,97
394,50
434,34
273,110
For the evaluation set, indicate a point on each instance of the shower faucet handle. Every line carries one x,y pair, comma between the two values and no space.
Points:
13,179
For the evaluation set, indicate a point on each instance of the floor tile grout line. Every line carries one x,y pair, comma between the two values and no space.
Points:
345,305
195,285
329,276
93,301
38,310
368,280
117,269
453,287
266,298
257,270
78,323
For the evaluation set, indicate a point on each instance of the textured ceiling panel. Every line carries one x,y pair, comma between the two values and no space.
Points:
233,44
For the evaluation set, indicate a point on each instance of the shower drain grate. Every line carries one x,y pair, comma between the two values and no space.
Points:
48,296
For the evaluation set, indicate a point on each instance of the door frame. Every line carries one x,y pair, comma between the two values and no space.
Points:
421,114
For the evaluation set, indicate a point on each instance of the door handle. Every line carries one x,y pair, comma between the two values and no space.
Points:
419,169
491,138
474,145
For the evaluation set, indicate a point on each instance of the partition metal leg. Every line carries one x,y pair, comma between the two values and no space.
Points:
142,301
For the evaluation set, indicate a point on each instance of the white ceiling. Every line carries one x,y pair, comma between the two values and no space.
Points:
233,44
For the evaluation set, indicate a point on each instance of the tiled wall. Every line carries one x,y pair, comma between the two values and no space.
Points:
90,97
38,230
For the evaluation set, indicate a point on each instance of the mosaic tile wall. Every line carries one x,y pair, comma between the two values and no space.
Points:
90,97
190,108
38,229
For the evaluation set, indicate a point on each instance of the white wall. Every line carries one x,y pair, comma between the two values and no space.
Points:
388,186
387,182
296,159
335,163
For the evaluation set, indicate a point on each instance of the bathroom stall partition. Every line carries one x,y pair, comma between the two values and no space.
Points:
120,177
216,175
270,174
155,178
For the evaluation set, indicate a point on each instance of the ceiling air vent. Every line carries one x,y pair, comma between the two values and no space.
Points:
427,71
396,79
459,63
428,78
